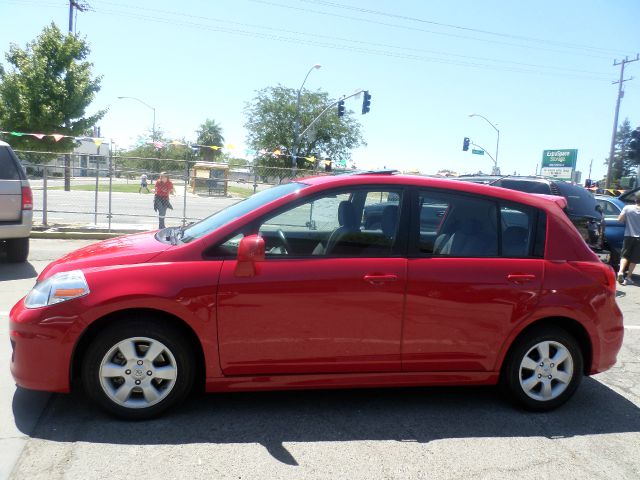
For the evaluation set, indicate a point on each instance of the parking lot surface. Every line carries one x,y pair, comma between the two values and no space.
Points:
352,434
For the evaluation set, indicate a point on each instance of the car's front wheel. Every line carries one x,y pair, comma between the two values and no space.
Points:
544,368
138,369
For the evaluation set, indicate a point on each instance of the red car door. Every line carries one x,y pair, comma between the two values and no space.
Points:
474,282
336,308
312,316
460,310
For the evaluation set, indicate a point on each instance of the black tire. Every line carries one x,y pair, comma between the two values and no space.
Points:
18,249
141,332
539,390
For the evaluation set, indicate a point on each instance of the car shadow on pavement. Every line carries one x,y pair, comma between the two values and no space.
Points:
274,418
16,271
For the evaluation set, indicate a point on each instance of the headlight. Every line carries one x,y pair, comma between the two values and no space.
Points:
57,288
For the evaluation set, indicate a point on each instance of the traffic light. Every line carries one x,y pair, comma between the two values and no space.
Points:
465,144
366,102
633,152
341,108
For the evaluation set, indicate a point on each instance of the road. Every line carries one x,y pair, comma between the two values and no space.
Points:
433,433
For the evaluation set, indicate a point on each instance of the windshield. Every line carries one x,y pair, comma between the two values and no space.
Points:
579,200
239,209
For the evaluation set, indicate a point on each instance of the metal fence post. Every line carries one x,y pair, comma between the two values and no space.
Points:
44,195
110,185
186,182
255,178
95,203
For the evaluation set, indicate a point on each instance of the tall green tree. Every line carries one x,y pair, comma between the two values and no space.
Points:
271,118
47,89
622,166
210,133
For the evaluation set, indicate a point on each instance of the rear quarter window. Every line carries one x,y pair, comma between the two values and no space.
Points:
8,168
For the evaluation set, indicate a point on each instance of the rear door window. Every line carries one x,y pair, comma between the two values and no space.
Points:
8,167
457,226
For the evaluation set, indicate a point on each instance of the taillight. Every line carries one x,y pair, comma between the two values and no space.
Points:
600,272
27,198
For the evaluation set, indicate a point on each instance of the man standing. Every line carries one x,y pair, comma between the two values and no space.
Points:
630,253
143,183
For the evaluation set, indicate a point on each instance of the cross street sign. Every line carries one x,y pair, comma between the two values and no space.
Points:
477,152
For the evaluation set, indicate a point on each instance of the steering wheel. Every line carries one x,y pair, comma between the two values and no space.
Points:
284,242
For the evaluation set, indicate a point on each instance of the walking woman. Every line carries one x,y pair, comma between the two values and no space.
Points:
161,202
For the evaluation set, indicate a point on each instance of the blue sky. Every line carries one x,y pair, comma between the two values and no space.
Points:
541,71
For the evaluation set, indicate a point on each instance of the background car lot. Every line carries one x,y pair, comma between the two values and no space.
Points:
395,433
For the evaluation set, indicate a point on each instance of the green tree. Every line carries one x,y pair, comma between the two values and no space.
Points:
271,118
47,89
210,133
153,158
621,166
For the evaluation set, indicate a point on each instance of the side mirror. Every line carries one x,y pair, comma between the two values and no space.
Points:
250,251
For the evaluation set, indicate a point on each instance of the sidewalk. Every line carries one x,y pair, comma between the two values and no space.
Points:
89,231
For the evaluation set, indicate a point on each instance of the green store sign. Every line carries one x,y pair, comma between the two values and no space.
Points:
560,164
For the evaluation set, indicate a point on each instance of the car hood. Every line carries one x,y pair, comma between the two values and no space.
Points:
126,250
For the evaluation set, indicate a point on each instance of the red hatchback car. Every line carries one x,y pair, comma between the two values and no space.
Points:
455,284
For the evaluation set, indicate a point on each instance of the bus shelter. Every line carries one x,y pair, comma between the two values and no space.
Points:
210,178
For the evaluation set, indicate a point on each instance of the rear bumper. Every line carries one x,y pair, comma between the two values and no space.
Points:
609,341
20,229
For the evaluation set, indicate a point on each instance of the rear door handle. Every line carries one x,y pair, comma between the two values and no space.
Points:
520,278
380,279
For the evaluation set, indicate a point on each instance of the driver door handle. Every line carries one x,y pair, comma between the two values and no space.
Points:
521,278
380,279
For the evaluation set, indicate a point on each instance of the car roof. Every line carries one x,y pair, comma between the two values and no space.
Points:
3,144
541,201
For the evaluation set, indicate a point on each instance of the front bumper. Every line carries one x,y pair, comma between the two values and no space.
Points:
42,343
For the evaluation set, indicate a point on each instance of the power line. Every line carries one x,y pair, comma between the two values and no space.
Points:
405,27
458,27
333,39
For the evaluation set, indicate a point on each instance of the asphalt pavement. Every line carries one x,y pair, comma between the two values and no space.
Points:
429,433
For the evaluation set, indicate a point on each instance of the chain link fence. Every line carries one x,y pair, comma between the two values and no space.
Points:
107,191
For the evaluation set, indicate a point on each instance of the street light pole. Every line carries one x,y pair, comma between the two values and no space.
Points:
495,161
153,131
296,124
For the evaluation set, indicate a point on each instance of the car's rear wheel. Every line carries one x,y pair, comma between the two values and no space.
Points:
18,249
544,368
138,369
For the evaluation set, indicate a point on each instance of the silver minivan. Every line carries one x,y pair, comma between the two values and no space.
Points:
16,206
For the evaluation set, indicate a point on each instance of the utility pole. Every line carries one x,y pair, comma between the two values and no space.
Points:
615,117
81,6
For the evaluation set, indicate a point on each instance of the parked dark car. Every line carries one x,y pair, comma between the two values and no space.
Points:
582,208
613,229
